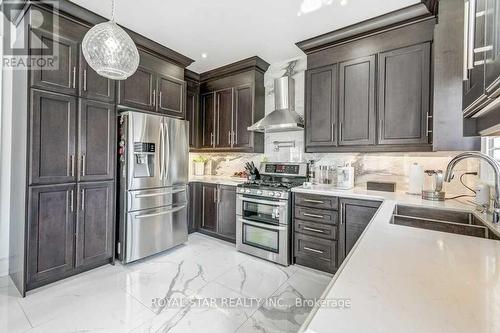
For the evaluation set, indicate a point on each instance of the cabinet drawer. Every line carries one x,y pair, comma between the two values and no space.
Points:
316,215
315,252
328,231
316,201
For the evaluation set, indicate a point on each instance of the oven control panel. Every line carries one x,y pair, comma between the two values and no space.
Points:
285,169
284,195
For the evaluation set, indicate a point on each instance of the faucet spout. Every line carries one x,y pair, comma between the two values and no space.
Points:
496,168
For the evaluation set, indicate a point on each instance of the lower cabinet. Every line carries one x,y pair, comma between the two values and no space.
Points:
70,228
326,229
94,233
213,210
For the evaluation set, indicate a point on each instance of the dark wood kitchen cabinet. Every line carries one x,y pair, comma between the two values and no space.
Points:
354,217
232,99
357,102
370,91
492,41
96,141
51,232
137,91
94,227
53,138
193,108
62,76
209,207
208,121
94,86
213,210
224,118
404,95
153,87
321,106
226,222
243,116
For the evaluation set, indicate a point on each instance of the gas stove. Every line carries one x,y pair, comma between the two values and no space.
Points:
277,179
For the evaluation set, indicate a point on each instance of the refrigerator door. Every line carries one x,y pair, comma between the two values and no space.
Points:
155,230
144,144
176,152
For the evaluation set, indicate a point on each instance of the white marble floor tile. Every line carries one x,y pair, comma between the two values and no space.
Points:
120,298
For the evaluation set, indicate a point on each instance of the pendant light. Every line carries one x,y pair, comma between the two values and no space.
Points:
109,50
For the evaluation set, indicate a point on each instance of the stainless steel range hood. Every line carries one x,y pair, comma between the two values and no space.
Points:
283,118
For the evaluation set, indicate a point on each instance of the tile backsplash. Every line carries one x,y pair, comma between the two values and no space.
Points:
393,167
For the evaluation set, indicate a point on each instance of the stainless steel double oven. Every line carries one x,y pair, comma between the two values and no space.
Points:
263,212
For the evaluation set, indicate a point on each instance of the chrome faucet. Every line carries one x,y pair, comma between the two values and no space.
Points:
491,161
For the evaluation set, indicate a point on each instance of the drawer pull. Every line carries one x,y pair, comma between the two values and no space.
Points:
314,215
314,230
314,201
313,250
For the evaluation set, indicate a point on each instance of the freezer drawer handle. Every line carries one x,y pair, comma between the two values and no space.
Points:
314,201
159,194
160,213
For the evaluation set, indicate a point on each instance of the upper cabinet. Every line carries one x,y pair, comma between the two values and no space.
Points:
156,86
371,93
481,65
232,99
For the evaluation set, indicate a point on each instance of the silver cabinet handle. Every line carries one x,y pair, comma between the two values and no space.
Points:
341,125
154,97
83,199
341,214
466,41
212,141
215,195
229,138
427,131
235,138
72,165
333,132
314,230
483,49
471,34
313,250
314,201
159,96
74,77
71,200
313,215
84,80
143,216
84,164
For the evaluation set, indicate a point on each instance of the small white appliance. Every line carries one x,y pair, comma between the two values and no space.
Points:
345,177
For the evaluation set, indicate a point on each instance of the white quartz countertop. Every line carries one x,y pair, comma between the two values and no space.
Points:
220,180
402,279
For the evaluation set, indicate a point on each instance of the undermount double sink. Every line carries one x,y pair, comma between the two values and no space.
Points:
454,222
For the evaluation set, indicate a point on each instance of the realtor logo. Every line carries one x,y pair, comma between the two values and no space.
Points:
30,39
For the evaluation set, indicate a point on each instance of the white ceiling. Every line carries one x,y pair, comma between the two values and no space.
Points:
231,30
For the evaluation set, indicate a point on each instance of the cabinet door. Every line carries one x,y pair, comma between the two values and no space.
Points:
138,91
224,118
50,233
53,136
473,85
171,96
404,95
492,68
354,217
94,86
243,117
357,102
62,75
321,107
96,141
195,203
192,108
209,207
94,234
227,211
208,120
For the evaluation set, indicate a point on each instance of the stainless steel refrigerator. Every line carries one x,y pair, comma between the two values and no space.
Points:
153,184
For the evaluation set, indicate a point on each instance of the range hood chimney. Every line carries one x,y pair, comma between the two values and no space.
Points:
283,118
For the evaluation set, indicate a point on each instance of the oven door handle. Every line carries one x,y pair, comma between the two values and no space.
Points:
265,202
262,225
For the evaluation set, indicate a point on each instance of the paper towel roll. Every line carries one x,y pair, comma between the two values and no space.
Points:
416,183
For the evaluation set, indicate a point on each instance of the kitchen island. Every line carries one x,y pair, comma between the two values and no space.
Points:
402,279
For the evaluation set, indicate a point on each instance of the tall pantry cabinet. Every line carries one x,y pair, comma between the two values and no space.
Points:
63,178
